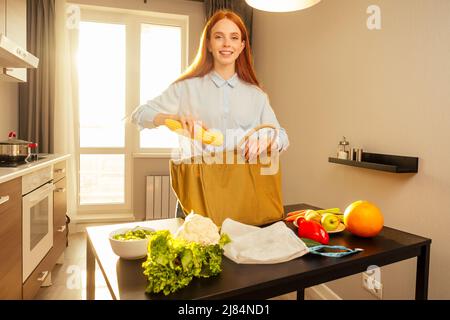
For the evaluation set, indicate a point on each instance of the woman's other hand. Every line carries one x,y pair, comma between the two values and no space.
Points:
255,146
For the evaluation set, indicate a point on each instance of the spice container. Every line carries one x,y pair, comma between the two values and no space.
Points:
356,154
342,152
359,153
353,152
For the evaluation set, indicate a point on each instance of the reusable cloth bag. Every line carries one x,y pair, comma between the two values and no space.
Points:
237,190
254,245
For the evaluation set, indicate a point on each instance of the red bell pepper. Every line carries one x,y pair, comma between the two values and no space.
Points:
312,230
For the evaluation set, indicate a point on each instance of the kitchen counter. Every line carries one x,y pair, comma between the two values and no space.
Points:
7,174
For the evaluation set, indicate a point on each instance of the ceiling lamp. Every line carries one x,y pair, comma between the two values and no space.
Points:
281,5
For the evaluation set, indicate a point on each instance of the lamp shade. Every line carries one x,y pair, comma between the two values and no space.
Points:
281,5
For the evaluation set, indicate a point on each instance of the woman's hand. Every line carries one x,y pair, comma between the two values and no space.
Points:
255,146
189,124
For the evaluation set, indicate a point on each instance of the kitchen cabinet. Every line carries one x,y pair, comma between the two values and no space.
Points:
60,232
11,239
14,20
16,188
59,209
39,275
2,16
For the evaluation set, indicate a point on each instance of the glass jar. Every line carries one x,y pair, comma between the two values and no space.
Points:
342,152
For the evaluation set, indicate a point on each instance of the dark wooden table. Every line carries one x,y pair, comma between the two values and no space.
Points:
125,279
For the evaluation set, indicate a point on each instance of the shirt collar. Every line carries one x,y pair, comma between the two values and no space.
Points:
219,81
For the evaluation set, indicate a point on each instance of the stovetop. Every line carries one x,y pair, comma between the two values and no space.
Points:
15,164
6,164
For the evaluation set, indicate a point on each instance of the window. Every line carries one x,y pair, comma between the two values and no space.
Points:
124,59
102,179
101,108
164,61
101,71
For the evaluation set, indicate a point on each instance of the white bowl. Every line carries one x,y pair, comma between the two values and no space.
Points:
129,249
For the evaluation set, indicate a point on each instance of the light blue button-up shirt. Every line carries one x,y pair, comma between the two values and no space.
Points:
232,106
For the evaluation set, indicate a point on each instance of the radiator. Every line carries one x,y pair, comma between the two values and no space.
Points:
160,199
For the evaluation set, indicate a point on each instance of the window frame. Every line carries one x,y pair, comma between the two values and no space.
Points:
132,19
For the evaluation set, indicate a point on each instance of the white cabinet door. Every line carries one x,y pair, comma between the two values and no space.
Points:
2,16
16,30
16,22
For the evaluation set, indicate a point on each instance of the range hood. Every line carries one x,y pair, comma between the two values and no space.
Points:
14,56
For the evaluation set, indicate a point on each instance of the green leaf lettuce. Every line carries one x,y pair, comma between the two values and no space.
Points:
172,263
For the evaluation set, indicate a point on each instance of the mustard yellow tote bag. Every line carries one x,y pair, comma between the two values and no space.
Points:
246,192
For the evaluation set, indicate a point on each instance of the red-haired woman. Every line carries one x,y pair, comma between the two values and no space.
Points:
218,91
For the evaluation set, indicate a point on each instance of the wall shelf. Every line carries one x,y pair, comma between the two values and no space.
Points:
382,162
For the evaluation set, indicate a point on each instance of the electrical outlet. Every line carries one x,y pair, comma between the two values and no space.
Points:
372,285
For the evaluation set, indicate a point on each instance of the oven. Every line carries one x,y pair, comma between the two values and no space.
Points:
37,218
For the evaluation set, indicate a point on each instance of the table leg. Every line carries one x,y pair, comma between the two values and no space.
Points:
90,271
301,294
422,272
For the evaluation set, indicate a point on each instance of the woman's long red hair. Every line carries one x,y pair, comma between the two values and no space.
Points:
204,63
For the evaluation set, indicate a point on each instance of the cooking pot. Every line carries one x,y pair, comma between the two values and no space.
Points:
15,150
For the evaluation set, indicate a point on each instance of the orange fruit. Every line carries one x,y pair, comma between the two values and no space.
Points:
363,219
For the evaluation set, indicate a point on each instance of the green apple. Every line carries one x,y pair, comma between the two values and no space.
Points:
330,221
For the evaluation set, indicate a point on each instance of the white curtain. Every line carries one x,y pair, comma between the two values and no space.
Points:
66,97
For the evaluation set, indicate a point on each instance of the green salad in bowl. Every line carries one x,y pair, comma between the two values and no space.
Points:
130,243
134,234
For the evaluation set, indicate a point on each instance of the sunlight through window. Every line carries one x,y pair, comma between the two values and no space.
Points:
102,179
101,67
160,66
123,59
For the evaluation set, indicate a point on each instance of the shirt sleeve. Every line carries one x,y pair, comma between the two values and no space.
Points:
268,116
168,102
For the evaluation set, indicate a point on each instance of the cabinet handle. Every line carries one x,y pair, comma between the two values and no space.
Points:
61,229
60,190
42,277
4,199
21,53
58,171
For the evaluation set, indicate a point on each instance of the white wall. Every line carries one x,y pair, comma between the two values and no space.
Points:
9,108
388,92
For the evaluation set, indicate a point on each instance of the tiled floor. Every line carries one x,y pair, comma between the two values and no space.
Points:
69,279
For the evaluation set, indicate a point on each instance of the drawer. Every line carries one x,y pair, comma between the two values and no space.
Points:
11,239
35,179
10,195
34,281
32,285
59,204
59,170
